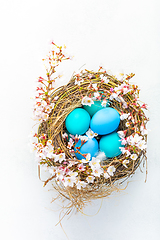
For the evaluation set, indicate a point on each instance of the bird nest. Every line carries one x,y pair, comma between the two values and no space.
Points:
82,180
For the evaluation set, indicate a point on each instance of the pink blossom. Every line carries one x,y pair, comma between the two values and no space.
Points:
81,167
111,89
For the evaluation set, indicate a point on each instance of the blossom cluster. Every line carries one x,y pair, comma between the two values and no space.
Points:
62,168
71,171
118,92
42,109
43,104
89,101
64,173
134,142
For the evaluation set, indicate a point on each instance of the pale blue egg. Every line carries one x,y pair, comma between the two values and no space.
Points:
110,144
105,121
91,146
77,122
94,107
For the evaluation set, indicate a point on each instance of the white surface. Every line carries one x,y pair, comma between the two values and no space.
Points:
121,35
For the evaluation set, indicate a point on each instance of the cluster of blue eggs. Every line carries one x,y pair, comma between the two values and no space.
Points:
101,120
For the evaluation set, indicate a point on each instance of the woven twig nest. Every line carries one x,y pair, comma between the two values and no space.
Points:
69,175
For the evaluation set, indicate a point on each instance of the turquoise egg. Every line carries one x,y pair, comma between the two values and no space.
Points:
91,146
110,144
105,121
77,122
94,107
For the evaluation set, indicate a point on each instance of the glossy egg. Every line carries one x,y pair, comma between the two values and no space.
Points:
105,121
94,107
109,144
77,122
91,146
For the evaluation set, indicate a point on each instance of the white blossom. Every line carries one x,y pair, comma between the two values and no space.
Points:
94,85
97,171
121,134
87,101
68,181
123,150
115,96
94,163
60,157
133,140
52,105
124,116
111,170
125,162
90,179
127,124
43,103
40,145
80,184
104,103
106,175
134,156
73,174
91,134
143,130
70,143
142,145
96,95
59,174
38,112
45,116
48,109
49,142
123,141
49,151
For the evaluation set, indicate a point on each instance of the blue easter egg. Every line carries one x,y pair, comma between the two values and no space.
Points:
77,122
105,121
90,146
110,144
94,107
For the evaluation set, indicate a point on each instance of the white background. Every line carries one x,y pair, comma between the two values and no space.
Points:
122,36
